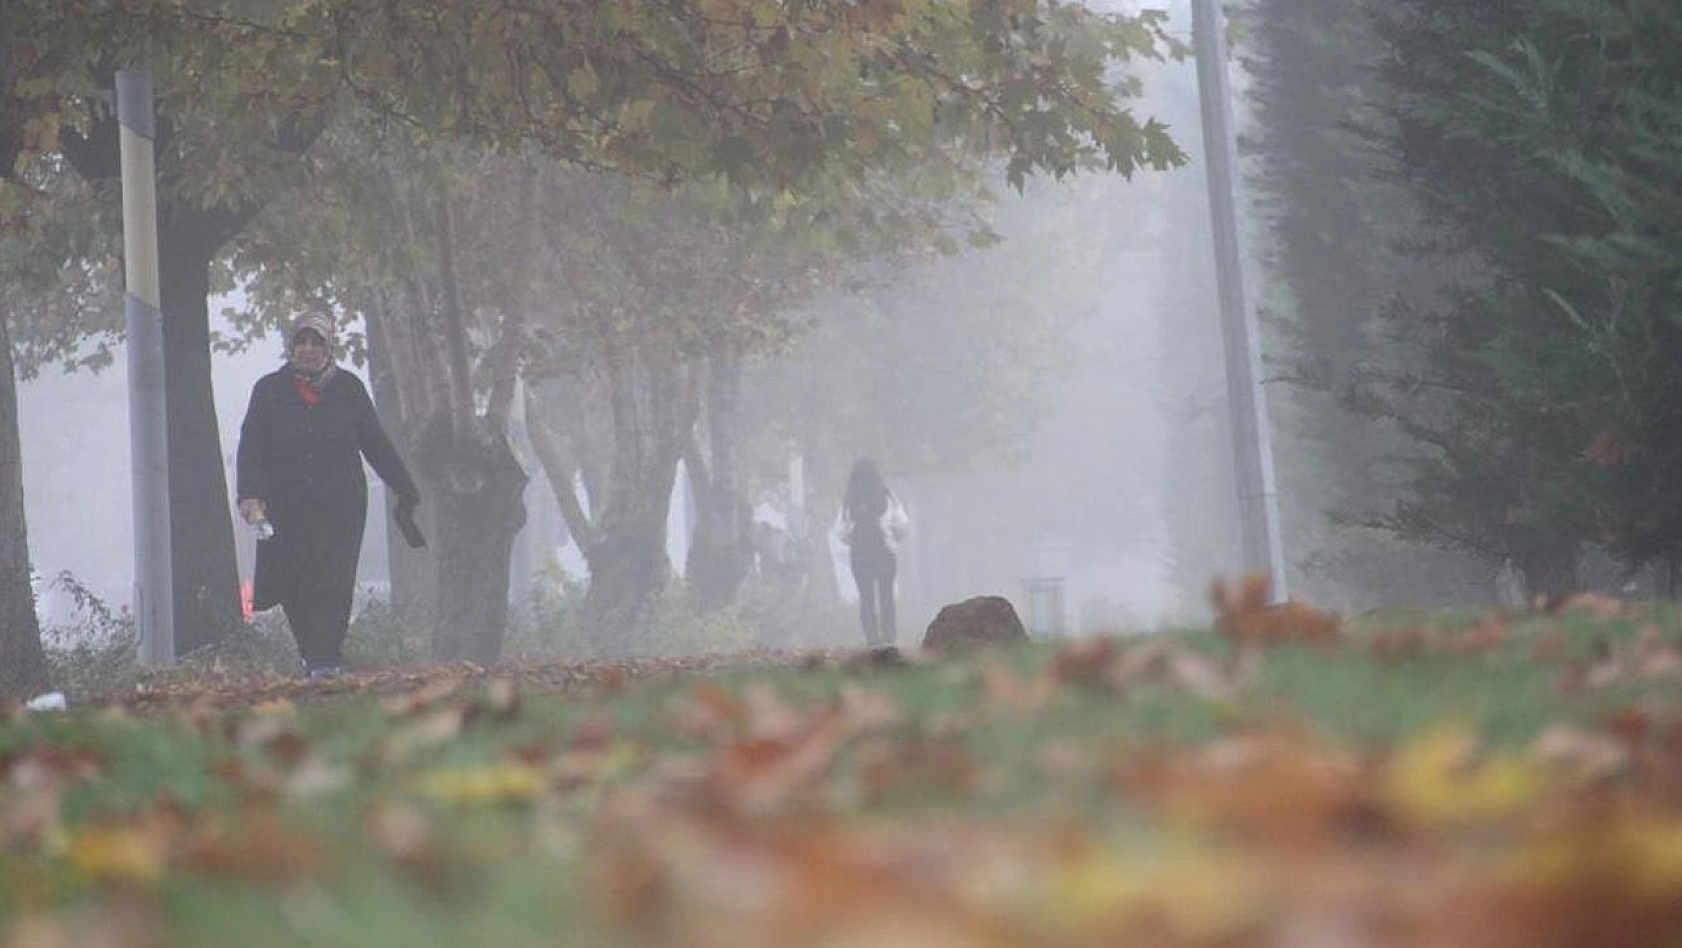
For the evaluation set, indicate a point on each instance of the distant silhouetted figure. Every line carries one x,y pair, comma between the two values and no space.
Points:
871,524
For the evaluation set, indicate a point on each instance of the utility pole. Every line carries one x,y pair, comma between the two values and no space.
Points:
1258,505
154,605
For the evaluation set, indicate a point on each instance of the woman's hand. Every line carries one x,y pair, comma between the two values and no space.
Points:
251,510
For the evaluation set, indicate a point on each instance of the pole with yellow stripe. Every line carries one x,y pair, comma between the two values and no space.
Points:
154,607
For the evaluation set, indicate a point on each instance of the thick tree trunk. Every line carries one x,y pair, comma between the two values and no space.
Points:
622,532
720,550
413,573
23,665
201,523
1549,566
206,576
628,570
477,489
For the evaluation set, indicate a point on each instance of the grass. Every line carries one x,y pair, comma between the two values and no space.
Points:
344,817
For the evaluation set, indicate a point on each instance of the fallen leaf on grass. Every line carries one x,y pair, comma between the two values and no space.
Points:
1399,645
1594,606
436,728
892,768
113,924
1246,616
255,845
492,785
1488,634
1275,788
1197,896
675,880
1085,664
422,699
119,852
1586,757
1005,691
1444,778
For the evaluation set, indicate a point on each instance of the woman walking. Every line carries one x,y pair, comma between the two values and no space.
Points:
306,431
872,522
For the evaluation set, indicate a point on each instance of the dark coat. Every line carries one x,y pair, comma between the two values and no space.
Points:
304,462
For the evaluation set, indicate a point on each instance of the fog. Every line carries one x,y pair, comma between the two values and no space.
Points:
1118,490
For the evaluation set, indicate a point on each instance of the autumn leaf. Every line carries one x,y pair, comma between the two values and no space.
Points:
119,852
256,844
1442,778
1247,616
491,785
1198,895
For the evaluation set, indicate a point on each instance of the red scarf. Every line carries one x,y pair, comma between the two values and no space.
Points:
305,391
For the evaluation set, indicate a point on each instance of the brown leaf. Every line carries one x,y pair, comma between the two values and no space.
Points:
257,846
1085,664
1007,692
1274,789
421,699
1387,645
129,923
437,727
1208,680
1246,617
1487,635
1588,757
1594,606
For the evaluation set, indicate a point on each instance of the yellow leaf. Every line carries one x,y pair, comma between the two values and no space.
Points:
1645,856
1202,896
1439,779
484,786
1655,856
118,853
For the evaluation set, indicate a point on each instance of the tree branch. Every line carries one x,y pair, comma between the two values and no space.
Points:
559,473
452,318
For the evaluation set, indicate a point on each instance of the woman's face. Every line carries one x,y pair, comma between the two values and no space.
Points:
309,351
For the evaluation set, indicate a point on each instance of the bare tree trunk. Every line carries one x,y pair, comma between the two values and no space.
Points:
206,588
720,551
1549,565
476,482
622,536
478,487
652,404
23,664
206,575
413,573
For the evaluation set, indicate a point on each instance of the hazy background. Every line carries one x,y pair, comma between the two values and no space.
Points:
1119,486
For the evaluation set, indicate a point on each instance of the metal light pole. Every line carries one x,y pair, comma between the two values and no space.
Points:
1258,504
154,606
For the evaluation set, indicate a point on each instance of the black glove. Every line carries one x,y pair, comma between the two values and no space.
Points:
404,515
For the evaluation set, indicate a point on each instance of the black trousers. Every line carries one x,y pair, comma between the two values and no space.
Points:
311,571
320,620
873,571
